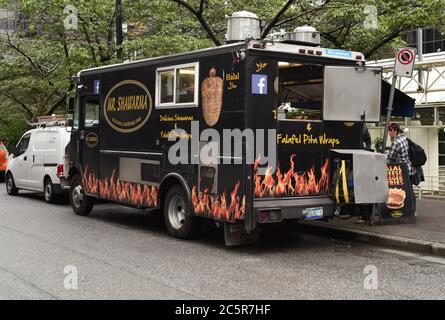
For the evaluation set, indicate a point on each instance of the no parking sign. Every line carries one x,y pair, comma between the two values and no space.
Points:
404,62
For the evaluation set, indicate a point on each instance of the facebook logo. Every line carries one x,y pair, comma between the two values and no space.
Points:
96,86
259,84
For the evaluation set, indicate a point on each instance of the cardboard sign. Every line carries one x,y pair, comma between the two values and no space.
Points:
404,62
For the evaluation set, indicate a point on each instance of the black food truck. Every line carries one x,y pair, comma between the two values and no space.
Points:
140,136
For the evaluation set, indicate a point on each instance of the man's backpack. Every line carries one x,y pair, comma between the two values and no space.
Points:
417,155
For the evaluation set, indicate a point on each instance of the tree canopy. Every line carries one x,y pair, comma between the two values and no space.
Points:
38,60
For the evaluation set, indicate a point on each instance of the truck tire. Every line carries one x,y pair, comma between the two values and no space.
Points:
48,191
178,216
11,189
81,203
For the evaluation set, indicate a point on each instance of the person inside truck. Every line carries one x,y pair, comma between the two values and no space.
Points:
399,152
301,89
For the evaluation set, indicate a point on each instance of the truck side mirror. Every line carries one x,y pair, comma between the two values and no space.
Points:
12,151
69,122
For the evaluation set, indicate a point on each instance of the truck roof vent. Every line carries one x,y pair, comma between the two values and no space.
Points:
242,25
305,35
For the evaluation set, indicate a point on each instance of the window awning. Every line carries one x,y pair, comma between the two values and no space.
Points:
403,104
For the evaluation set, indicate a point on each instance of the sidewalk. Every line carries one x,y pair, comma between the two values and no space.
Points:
426,235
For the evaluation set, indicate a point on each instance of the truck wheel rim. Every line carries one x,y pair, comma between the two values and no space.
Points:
77,196
176,212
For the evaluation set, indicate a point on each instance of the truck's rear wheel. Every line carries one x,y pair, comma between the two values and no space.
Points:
81,203
178,214
48,191
11,189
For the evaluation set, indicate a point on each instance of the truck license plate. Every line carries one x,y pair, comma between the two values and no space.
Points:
313,213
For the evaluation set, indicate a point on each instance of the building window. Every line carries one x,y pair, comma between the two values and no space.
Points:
441,147
7,21
433,40
177,86
423,116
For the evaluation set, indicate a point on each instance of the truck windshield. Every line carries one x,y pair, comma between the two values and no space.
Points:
300,91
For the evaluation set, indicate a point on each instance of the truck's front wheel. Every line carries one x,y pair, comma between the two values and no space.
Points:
10,185
81,203
178,214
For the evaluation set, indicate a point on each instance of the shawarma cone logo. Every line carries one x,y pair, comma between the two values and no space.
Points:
212,93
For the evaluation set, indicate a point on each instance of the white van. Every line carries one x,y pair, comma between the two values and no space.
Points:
37,162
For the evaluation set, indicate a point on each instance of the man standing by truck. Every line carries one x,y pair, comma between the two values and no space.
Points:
399,152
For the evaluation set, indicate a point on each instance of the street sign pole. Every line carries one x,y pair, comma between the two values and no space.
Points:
389,112
403,67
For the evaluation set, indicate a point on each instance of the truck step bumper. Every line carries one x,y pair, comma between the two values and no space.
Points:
291,208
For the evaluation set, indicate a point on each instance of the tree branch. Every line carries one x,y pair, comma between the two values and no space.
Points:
276,19
199,15
35,65
89,42
24,106
57,104
386,39
302,14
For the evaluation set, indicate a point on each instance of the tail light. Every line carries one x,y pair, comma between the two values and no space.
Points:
59,170
273,215
264,216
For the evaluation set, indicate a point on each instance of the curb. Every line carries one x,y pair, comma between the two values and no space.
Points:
410,244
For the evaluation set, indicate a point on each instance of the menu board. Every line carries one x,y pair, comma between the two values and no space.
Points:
399,204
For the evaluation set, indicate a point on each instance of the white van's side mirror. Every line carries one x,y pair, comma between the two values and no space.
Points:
12,151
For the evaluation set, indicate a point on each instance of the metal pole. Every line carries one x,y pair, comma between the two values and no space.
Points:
388,114
420,56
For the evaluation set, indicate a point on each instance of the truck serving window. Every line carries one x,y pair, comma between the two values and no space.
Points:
177,86
300,90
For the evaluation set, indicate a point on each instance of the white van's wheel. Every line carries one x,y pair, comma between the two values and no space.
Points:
10,185
48,191
81,203
178,214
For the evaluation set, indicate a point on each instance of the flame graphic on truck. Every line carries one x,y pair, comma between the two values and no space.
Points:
290,183
114,189
217,207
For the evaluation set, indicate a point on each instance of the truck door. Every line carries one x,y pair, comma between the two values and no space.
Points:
19,169
89,138
39,146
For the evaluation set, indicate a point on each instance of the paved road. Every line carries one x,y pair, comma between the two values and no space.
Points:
120,253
